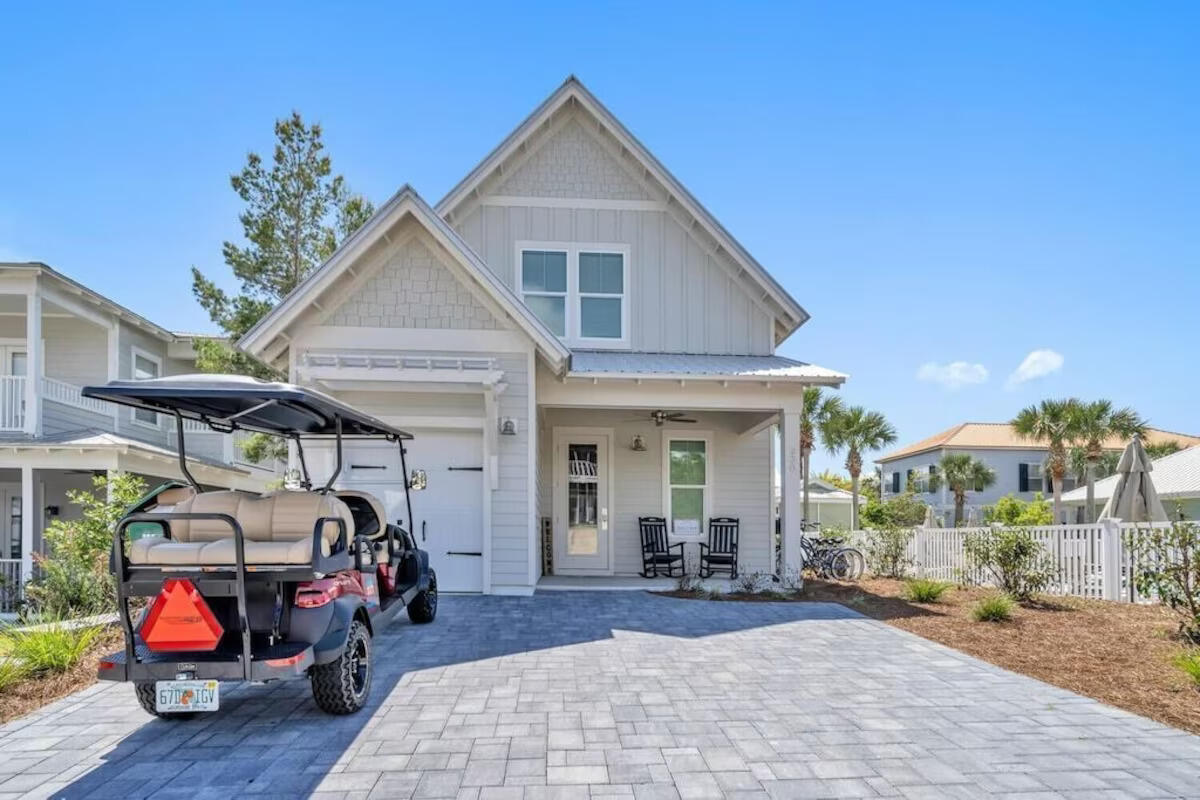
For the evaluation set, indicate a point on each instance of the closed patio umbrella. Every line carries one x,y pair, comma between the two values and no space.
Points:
1134,498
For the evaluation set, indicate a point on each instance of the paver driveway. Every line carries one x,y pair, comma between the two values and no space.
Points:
566,695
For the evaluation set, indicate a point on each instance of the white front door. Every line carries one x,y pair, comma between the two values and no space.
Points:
581,504
448,514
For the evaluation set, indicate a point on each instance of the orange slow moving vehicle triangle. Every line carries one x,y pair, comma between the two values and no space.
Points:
180,620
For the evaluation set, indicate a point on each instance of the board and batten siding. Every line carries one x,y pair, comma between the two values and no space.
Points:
681,300
741,482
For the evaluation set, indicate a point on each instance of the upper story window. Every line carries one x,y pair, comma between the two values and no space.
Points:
145,366
1030,478
578,291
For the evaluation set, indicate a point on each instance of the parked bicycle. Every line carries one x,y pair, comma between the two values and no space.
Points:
830,557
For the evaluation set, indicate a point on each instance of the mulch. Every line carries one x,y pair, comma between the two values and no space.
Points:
1118,653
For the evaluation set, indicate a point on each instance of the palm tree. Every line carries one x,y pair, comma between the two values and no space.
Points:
856,431
963,473
819,409
1092,425
1107,465
1050,422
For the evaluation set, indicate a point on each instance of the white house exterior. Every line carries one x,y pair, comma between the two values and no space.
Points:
526,328
1017,462
1176,478
52,439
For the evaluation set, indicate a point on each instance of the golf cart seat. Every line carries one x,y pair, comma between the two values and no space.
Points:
370,520
277,529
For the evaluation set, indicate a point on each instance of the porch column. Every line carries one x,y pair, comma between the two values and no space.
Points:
33,362
29,512
790,527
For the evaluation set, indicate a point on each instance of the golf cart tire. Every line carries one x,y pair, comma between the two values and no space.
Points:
146,694
423,607
337,687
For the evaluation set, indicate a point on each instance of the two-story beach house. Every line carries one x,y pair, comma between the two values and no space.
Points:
1019,465
57,336
575,342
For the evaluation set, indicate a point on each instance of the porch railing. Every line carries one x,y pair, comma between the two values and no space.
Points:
10,584
12,402
72,395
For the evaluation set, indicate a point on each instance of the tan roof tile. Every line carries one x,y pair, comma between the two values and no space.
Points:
1001,435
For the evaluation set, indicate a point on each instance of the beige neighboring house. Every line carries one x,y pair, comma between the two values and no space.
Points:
828,506
1017,462
53,439
544,330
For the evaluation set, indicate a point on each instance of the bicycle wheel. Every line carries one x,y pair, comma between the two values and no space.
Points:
858,563
841,565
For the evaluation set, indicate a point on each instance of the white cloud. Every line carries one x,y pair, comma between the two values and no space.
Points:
1037,364
954,375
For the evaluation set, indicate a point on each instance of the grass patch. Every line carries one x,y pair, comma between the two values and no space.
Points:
925,590
996,608
48,647
12,672
1188,662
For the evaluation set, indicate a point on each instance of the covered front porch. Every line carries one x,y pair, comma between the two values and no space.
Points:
685,438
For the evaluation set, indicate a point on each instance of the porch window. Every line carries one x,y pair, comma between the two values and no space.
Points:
688,480
145,366
544,284
578,291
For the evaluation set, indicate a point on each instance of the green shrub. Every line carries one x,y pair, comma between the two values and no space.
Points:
902,511
925,590
1168,567
1012,559
53,646
11,671
996,608
1014,512
887,551
65,588
1189,662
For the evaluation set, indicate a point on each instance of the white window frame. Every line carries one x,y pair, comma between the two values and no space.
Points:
1042,477
134,353
676,435
573,312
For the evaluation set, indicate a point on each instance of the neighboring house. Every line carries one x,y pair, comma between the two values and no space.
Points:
52,439
1176,478
534,330
828,505
1017,462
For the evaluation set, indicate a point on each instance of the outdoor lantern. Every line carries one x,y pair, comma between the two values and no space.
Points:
508,427
639,443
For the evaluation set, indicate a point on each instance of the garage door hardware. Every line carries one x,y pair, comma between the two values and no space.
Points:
368,466
465,469
461,553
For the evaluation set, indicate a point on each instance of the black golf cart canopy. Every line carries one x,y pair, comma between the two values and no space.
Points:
229,402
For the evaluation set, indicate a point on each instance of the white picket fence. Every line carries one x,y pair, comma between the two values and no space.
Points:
1081,554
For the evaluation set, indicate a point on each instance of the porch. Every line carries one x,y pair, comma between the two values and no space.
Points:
622,583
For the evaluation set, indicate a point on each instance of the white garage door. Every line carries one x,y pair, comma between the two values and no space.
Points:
448,514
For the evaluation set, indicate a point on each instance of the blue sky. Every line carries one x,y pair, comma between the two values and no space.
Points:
936,183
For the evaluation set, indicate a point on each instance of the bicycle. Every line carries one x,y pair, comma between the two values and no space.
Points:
829,557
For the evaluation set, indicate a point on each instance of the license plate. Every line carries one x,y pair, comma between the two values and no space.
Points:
186,696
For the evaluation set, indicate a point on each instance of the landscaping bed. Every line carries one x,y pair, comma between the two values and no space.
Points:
1118,653
34,691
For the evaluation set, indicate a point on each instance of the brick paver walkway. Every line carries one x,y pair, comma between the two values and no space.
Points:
622,695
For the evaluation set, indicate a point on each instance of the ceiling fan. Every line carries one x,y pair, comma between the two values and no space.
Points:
660,417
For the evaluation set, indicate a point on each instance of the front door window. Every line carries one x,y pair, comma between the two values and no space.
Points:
581,513
583,500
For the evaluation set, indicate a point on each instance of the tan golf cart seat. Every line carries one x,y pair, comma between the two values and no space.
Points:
277,529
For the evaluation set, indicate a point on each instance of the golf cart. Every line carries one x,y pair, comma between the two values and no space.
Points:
289,584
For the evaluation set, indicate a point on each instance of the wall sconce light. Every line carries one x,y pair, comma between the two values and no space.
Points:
639,443
508,426
52,511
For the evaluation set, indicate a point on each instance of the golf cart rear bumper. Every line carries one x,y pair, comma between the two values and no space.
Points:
283,661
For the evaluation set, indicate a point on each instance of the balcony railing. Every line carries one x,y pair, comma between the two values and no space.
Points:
12,402
72,395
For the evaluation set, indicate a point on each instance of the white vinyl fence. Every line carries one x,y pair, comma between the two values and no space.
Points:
1082,555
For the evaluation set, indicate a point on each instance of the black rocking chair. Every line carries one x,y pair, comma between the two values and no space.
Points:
720,554
657,554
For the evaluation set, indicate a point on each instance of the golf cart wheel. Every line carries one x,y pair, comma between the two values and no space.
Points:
423,607
342,686
146,693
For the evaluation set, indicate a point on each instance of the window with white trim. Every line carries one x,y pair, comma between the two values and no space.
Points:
688,483
578,291
145,367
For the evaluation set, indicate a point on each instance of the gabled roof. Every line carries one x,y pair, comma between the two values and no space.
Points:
1002,436
1175,476
789,313
618,364
262,341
